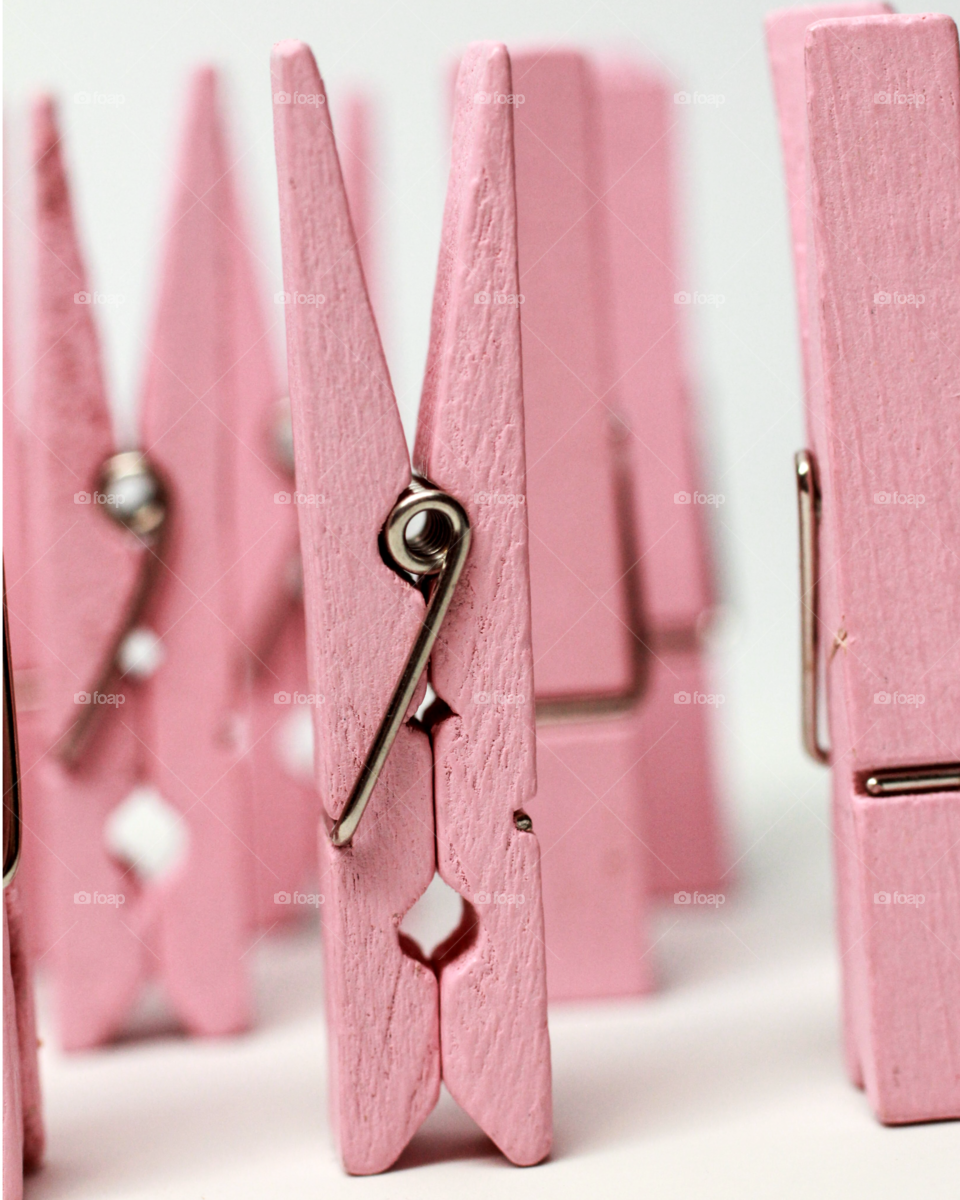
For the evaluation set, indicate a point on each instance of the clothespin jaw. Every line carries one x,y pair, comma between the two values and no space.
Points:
388,1027
494,1041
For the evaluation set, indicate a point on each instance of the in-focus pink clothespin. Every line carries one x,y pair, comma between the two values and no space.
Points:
880,607
475,1015
786,37
169,716
23,1132
681,822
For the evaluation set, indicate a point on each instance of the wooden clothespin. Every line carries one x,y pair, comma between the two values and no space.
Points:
286,804
159,554
618,571
23,1132
476,1014
681,818
879,563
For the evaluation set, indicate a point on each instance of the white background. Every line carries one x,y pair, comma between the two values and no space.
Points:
728,1083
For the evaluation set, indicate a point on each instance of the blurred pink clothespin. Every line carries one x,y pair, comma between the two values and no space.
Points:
627,804
140,607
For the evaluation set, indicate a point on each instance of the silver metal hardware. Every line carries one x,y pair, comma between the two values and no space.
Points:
131,494
808,509
439,548
908,780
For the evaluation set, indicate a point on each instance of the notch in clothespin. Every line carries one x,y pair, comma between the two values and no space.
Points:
23,1132
455,801
619,573
882,322
167,718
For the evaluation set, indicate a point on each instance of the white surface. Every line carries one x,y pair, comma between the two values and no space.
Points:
728,1083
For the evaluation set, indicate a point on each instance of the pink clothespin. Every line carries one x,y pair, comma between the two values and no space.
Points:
286,805
879,566
590,662
23,1133
475,1015
681,819
165,564
620,580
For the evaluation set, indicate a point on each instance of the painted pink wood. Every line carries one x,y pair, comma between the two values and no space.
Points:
786,35
579,615
83,580
90,566
362,618
356,147
786,38
881,109
12,1102
494,1042
580,637
271,651
191,415
681,818
21,980
19,561
594,887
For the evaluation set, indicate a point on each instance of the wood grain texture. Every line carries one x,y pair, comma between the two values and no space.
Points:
12,1101
888,369
581,636
882,109
786,39
493,999
21,977
677,780
190,419
786,31
362,619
